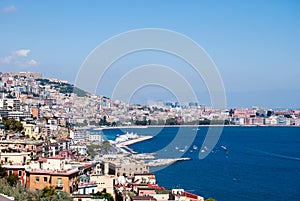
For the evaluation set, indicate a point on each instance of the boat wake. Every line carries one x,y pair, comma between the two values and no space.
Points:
277,155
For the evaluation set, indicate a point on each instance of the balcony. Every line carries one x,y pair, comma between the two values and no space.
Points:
59,186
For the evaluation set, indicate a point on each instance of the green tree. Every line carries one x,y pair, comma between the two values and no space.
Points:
105,144
172,121
48,191
103,195
210,199
21,194
12,179
2,172
204,122
12,125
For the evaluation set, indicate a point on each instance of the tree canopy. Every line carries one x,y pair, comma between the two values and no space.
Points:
12,125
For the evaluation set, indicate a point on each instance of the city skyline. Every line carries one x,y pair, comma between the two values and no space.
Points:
255,45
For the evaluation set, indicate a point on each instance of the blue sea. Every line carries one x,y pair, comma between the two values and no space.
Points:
248,163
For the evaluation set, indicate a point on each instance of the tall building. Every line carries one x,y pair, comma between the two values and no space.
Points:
35,112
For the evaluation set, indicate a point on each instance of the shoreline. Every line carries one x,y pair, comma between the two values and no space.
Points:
174,126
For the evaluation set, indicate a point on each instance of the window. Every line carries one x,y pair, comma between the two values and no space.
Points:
5,159
37,179
20,173
45,179
10,172
59,183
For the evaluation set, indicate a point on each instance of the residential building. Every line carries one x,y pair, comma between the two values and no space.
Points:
62,180
18,170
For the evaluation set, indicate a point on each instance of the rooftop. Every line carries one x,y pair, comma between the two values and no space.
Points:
53,172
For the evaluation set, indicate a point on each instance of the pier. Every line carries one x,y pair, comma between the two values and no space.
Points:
124,145
164,162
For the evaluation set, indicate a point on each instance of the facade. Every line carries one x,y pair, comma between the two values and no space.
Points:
95,137
103,182
181,195
35,112
14,158
18,115
30,129
80,149
142,198
18,170
146,191
87,188
147,178
35,147
161,197
64,180
78,135
125,168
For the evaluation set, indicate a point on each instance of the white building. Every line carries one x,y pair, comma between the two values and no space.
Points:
81,149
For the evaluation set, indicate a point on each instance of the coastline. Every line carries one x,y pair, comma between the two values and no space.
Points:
175,126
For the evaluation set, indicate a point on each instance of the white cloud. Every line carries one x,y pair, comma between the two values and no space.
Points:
19,58
32,62
21,52
6,59
9,9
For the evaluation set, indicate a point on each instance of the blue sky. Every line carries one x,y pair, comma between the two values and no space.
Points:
255,44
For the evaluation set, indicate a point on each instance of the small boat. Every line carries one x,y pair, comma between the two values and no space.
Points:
195,147
182,150
176,148
223,147
204,149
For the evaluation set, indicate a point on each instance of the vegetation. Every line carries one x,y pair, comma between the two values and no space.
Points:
106,144
12,125
10,186
163,191
214,122
210,199
48,191
103,195
64,88
143,122
172,121
92,149
12,179
2,172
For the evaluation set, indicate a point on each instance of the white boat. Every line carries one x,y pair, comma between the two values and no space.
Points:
182,150
195,147
204,149
223,147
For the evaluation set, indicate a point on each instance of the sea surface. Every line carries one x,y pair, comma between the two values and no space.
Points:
248,163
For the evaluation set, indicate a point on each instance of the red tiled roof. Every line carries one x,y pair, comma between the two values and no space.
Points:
56,157
42,160
190,195
142,198
156,187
